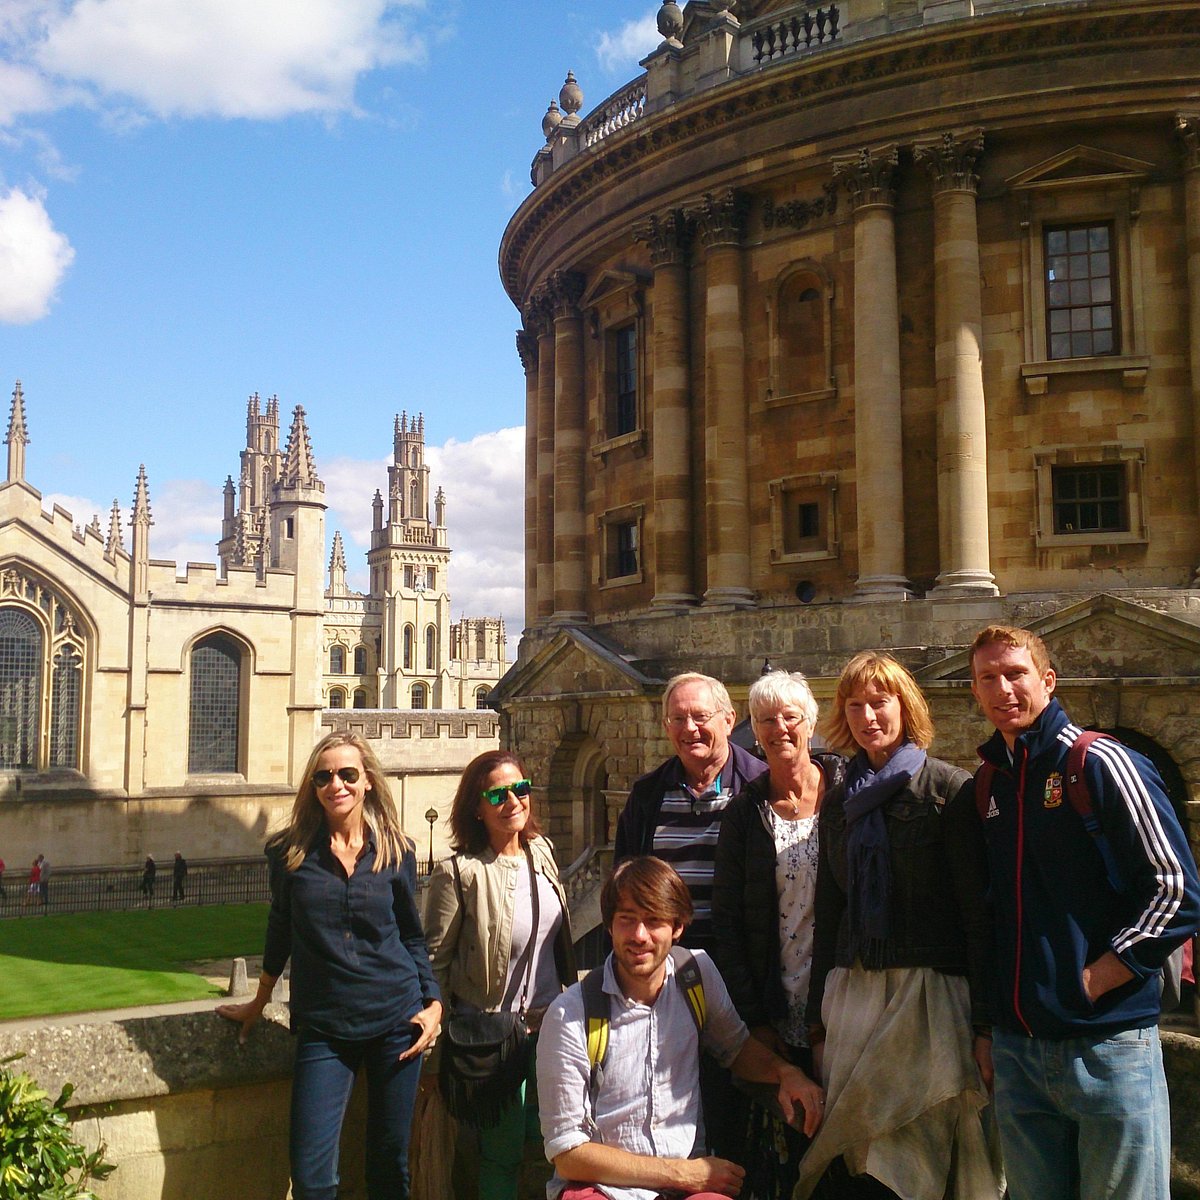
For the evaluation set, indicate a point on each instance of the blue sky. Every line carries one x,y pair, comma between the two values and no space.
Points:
202,199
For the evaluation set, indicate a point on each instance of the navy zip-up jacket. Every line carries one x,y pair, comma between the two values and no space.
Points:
1055,909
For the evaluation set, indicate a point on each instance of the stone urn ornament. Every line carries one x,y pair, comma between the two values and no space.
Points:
670,21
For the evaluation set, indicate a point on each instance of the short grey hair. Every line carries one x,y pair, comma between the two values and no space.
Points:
777,689
715,686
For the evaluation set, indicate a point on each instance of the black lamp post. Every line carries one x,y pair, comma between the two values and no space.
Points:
431,815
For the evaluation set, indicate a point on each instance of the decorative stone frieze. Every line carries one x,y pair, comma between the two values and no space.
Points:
798,214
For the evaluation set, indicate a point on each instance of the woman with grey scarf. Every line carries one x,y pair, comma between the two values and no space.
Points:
900,922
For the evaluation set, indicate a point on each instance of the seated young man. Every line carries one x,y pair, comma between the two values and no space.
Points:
640,1136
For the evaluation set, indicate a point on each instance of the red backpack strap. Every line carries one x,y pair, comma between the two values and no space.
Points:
983,787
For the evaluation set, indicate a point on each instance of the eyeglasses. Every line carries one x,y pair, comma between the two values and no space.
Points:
680,720
791,721
345,774
498,795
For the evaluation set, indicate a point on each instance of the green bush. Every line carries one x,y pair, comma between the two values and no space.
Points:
39,1159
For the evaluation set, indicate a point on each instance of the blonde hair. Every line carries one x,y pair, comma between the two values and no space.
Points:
307,819
1018,639
874,667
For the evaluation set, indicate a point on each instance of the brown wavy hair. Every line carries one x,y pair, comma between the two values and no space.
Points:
874,667
652,885
307,819
468,834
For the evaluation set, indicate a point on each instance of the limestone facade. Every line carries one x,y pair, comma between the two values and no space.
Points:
146,708
862,326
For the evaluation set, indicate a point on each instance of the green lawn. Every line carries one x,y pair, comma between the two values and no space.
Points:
80,961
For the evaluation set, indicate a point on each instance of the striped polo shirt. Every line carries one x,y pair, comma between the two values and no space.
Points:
686,837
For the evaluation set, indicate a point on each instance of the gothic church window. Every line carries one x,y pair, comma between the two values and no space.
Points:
66,692
337,698
409,636
214,717
360,660
420,696
430,647
360,698
337,660
481,695
20,687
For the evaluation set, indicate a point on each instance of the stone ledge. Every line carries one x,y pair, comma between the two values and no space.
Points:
158,1055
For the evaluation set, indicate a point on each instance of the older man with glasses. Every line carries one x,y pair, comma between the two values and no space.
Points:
674,813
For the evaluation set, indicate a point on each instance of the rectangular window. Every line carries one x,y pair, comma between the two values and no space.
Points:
622,550
1089,499
1080,291
408,576
625,418
803,518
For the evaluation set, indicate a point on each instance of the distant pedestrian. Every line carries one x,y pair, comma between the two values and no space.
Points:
35,882
44,882
3,893
149,870
178,875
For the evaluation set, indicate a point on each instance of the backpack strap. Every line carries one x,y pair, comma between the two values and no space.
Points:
691,983
1081,801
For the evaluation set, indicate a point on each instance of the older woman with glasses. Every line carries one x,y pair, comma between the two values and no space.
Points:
343,878
499,935
763,893
898,904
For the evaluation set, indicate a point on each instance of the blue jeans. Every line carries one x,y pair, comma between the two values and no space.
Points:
321,1086
1084,1117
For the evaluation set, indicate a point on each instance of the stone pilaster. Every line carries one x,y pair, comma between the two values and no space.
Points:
1188,127
528,350
964,550
570,543
541,323
878,450
719,220
666,235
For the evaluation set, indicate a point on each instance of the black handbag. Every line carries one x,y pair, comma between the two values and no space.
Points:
486,1055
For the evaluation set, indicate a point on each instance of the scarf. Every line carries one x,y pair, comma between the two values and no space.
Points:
868,855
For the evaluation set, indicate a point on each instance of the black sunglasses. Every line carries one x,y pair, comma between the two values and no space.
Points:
345,774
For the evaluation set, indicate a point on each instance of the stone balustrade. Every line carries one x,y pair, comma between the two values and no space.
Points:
620,110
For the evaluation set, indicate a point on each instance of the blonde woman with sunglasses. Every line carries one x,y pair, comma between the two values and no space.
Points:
487,950
363,994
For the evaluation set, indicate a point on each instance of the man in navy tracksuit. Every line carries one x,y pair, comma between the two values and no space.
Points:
1081,1098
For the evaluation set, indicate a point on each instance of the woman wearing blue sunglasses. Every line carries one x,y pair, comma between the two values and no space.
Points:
499,938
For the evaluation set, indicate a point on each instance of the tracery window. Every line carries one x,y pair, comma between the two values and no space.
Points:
430,647
214,718
360,660
337,660
409,636
420,696
42,663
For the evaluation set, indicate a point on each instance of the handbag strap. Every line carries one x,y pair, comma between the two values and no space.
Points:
533,932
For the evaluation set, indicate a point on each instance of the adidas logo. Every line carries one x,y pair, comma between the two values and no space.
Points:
992,809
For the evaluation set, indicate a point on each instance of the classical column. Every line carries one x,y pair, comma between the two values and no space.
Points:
964,554
666,236
570,544
719,220
1188,126
878,451
542,324
528,350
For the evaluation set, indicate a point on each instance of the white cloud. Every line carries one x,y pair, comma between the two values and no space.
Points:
34,257
225,58
631,43
484,482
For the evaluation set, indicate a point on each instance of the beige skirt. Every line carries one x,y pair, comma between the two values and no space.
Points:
904,1099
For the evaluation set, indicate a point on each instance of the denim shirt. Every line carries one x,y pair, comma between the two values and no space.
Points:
359,963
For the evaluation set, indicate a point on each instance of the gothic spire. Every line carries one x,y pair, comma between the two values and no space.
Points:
299,470
114,542
17,436
141,499
337,560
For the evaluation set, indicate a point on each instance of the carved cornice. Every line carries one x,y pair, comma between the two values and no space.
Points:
527,349
1187,125
844,71
950,160
867,175
668,236
720,218
563,292
798,213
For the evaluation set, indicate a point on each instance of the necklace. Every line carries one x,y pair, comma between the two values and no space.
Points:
809,792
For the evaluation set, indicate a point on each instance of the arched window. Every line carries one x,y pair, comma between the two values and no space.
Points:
801,335
481,695
337,698
360,697
430,648
66,694
412,503
420,696
214,718
409,635
360,660
20,687
337,660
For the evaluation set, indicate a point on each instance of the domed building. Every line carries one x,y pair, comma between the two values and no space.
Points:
862,325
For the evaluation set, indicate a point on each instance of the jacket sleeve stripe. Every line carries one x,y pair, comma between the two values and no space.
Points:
1147,822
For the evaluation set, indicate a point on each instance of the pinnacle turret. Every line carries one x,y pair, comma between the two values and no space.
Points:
17,436
299,470
114,540
141,499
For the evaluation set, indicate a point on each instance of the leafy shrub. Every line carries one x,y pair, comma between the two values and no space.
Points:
39,1159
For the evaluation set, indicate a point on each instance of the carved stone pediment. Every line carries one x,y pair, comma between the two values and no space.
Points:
574,664
1081,165
1104,637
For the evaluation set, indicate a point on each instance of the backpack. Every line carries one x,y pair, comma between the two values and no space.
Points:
1081,801
596,1013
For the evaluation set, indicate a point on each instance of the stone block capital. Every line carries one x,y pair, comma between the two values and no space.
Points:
564,290
720,218
950,159
867,175
527,349
667,236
